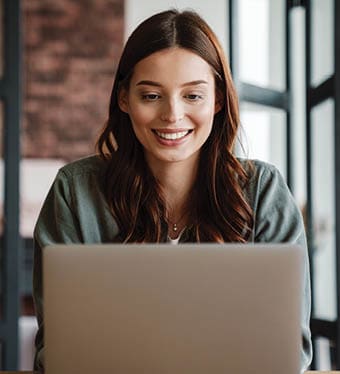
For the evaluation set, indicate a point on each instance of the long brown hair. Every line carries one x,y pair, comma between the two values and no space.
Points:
218,210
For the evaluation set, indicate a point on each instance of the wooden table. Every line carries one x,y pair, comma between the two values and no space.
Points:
35,372
31,372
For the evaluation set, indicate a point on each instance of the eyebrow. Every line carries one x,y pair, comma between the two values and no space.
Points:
157,84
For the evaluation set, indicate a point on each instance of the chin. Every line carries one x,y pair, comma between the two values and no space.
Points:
172,159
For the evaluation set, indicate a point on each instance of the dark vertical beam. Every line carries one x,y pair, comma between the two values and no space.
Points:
309,131
11,243
337,165
309,155
298,2
234,41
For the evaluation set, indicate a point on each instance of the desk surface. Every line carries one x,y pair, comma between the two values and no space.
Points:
31,372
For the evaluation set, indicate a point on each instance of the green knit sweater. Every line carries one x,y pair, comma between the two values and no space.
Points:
76,211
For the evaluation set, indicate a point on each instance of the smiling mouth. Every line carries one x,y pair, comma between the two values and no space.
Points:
172,135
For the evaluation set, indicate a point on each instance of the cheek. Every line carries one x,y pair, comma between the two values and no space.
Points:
141,123
141,116
204,117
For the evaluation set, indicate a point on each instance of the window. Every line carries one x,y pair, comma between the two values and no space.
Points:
259,62
322,40
264,134
323,184
262,43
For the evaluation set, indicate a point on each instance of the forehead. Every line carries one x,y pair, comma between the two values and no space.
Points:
176,65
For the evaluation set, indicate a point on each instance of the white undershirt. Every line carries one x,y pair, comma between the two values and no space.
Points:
174,241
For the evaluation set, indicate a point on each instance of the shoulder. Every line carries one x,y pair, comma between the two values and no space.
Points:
82,176
265,183
277,217
262,175
259,169
92,165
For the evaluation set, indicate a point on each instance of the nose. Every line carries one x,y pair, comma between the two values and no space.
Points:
172,111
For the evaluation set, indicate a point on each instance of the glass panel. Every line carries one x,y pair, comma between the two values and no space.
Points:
1,39
263,135
27,330
324,259
36,177
262,42
322,354
322,43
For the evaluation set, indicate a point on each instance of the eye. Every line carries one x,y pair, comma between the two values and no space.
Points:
193,97
150,97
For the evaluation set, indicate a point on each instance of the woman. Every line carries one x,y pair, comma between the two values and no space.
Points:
166,169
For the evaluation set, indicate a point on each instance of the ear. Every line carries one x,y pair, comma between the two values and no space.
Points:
123,101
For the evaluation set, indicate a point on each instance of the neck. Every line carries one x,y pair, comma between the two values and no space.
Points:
177,180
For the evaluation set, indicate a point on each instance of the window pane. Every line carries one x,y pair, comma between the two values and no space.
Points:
1,38
36,177
322,40
263,135
324,259
27,331
322,354
1,200
262,42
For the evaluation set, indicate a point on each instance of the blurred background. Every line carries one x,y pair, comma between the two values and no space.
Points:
57,63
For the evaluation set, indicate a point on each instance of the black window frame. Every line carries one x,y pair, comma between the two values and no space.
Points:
330,88
10,95
262,95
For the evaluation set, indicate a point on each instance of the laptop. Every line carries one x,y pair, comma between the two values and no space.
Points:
165,309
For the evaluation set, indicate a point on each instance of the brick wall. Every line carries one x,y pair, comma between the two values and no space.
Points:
71,49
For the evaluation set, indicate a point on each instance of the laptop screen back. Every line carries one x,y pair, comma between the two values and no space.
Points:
186,309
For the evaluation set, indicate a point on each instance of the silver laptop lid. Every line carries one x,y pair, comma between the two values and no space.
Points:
187,309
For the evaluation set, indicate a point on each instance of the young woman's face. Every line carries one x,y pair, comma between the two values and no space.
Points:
171,103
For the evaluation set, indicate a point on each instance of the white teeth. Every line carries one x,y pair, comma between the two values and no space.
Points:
173,135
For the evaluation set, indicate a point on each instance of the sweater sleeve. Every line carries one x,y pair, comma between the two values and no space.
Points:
278,219
56,224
